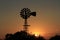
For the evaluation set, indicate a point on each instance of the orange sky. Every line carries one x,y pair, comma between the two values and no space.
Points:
47,21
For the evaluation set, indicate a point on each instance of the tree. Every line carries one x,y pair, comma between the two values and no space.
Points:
56,37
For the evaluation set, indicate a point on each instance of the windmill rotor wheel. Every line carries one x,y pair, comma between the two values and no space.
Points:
25,13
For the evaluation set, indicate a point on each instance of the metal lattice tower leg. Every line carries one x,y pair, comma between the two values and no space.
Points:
26,25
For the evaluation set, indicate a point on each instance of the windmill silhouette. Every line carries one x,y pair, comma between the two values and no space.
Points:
25,14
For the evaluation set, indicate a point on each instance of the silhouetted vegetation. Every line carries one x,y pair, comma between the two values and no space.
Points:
22,36
56,37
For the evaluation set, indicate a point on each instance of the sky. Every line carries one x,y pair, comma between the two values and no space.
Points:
46,22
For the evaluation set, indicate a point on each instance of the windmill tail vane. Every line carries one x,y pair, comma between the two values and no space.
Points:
25,14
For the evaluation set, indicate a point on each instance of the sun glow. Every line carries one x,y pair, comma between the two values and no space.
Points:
37,31
36,34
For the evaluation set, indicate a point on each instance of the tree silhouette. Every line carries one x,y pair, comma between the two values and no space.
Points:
56,37
40,38
22,35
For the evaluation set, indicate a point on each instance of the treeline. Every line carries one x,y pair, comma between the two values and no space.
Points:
26,36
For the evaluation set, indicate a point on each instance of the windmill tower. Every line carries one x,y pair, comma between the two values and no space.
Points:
25,14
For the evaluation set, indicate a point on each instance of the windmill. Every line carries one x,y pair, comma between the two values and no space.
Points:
25,14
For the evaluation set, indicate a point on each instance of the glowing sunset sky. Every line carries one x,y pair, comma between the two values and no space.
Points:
47,21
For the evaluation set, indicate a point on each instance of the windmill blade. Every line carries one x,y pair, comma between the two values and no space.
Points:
33,13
